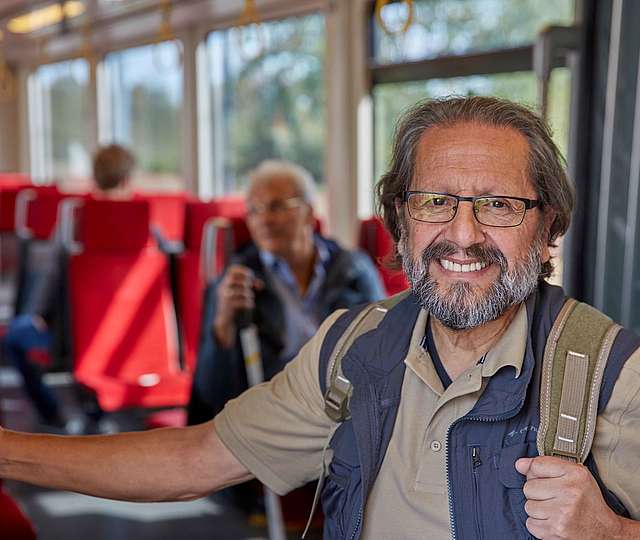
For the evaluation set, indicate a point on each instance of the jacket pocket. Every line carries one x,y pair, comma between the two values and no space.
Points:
512,484
340,497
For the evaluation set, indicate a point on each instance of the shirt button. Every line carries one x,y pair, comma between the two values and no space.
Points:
436,446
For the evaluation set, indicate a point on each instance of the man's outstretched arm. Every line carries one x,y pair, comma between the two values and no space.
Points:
159,465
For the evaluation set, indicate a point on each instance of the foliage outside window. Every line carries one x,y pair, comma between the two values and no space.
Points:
58,109
449,27
144,87
268,97
391,100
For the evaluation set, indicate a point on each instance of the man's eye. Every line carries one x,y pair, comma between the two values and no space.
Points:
438,201
496,204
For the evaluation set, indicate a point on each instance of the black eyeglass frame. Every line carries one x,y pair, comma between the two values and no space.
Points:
528,205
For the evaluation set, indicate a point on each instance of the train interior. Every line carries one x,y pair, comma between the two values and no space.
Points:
202,91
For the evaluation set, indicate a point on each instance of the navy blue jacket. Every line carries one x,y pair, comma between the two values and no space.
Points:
351,279
500,428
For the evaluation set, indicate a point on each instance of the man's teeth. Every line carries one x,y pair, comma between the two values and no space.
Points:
455,267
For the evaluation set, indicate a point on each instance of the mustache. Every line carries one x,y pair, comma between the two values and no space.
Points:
484,254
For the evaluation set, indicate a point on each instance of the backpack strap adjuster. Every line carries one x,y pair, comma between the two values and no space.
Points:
336,399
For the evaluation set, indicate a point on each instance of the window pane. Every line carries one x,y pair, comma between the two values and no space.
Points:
268,97
58,112
443,27
144,97
390,100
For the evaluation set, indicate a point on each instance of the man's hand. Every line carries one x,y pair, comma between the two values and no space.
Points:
235,292
565,502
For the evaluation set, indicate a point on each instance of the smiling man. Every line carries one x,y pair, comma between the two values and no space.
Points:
429,425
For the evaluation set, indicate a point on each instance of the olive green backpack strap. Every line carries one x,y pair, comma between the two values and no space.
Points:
336,398
575,356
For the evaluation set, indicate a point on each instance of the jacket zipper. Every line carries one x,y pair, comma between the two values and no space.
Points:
475,465
355,531
510,414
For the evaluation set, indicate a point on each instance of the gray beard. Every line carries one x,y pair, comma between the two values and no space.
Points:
461,307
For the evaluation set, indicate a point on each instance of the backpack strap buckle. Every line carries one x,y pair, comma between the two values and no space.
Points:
336,399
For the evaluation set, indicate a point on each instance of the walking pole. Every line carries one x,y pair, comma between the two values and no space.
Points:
255,375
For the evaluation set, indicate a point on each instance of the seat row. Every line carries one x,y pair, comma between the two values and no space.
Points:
134,274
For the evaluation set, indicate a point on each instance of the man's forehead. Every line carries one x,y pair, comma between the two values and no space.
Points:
472,152
273,187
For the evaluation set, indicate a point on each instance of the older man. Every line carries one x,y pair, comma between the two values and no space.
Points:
440,439
290,278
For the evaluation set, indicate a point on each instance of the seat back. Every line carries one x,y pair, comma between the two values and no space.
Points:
123,326
36,211
167,213
192,265
15,525
377,242
10,186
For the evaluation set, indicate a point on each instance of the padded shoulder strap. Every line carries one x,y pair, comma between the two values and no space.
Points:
336,398
575,356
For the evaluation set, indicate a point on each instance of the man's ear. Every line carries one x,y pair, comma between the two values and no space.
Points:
311,217
400,218
549,217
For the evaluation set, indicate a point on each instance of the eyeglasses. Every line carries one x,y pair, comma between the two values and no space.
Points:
274,207
494,211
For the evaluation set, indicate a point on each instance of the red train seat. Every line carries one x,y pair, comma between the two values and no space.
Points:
167,213
191,265
377,242
124,335
15,525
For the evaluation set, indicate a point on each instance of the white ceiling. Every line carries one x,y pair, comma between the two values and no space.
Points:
118,23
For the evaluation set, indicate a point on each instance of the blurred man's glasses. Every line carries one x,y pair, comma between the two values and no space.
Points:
274,207
494,211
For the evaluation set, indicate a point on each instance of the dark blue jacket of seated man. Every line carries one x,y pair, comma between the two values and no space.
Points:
290,278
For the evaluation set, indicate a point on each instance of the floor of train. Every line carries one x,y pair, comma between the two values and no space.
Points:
59,515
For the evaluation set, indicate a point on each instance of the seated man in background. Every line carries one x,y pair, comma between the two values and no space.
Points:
290,278
32,332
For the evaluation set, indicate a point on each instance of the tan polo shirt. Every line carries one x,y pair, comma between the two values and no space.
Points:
279,429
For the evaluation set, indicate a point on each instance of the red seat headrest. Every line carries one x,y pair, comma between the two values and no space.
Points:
42,213
113,226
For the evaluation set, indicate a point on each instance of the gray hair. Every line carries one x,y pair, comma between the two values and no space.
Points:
270,169
546,165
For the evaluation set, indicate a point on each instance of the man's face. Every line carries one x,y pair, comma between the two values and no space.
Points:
441,259
278,218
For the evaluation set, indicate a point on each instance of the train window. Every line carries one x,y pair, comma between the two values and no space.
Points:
141,98
448,27
267,97
58,109
392,99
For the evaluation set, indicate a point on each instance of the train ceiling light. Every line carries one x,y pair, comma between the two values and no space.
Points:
42,17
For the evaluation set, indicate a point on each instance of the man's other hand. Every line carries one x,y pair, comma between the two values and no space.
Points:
564,501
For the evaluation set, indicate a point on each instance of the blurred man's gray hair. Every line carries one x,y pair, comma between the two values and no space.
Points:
270,169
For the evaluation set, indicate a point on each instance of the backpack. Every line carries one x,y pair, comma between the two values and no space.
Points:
575,356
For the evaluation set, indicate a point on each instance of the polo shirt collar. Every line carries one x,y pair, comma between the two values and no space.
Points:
508,351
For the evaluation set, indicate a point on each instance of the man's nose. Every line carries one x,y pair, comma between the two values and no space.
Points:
464,230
